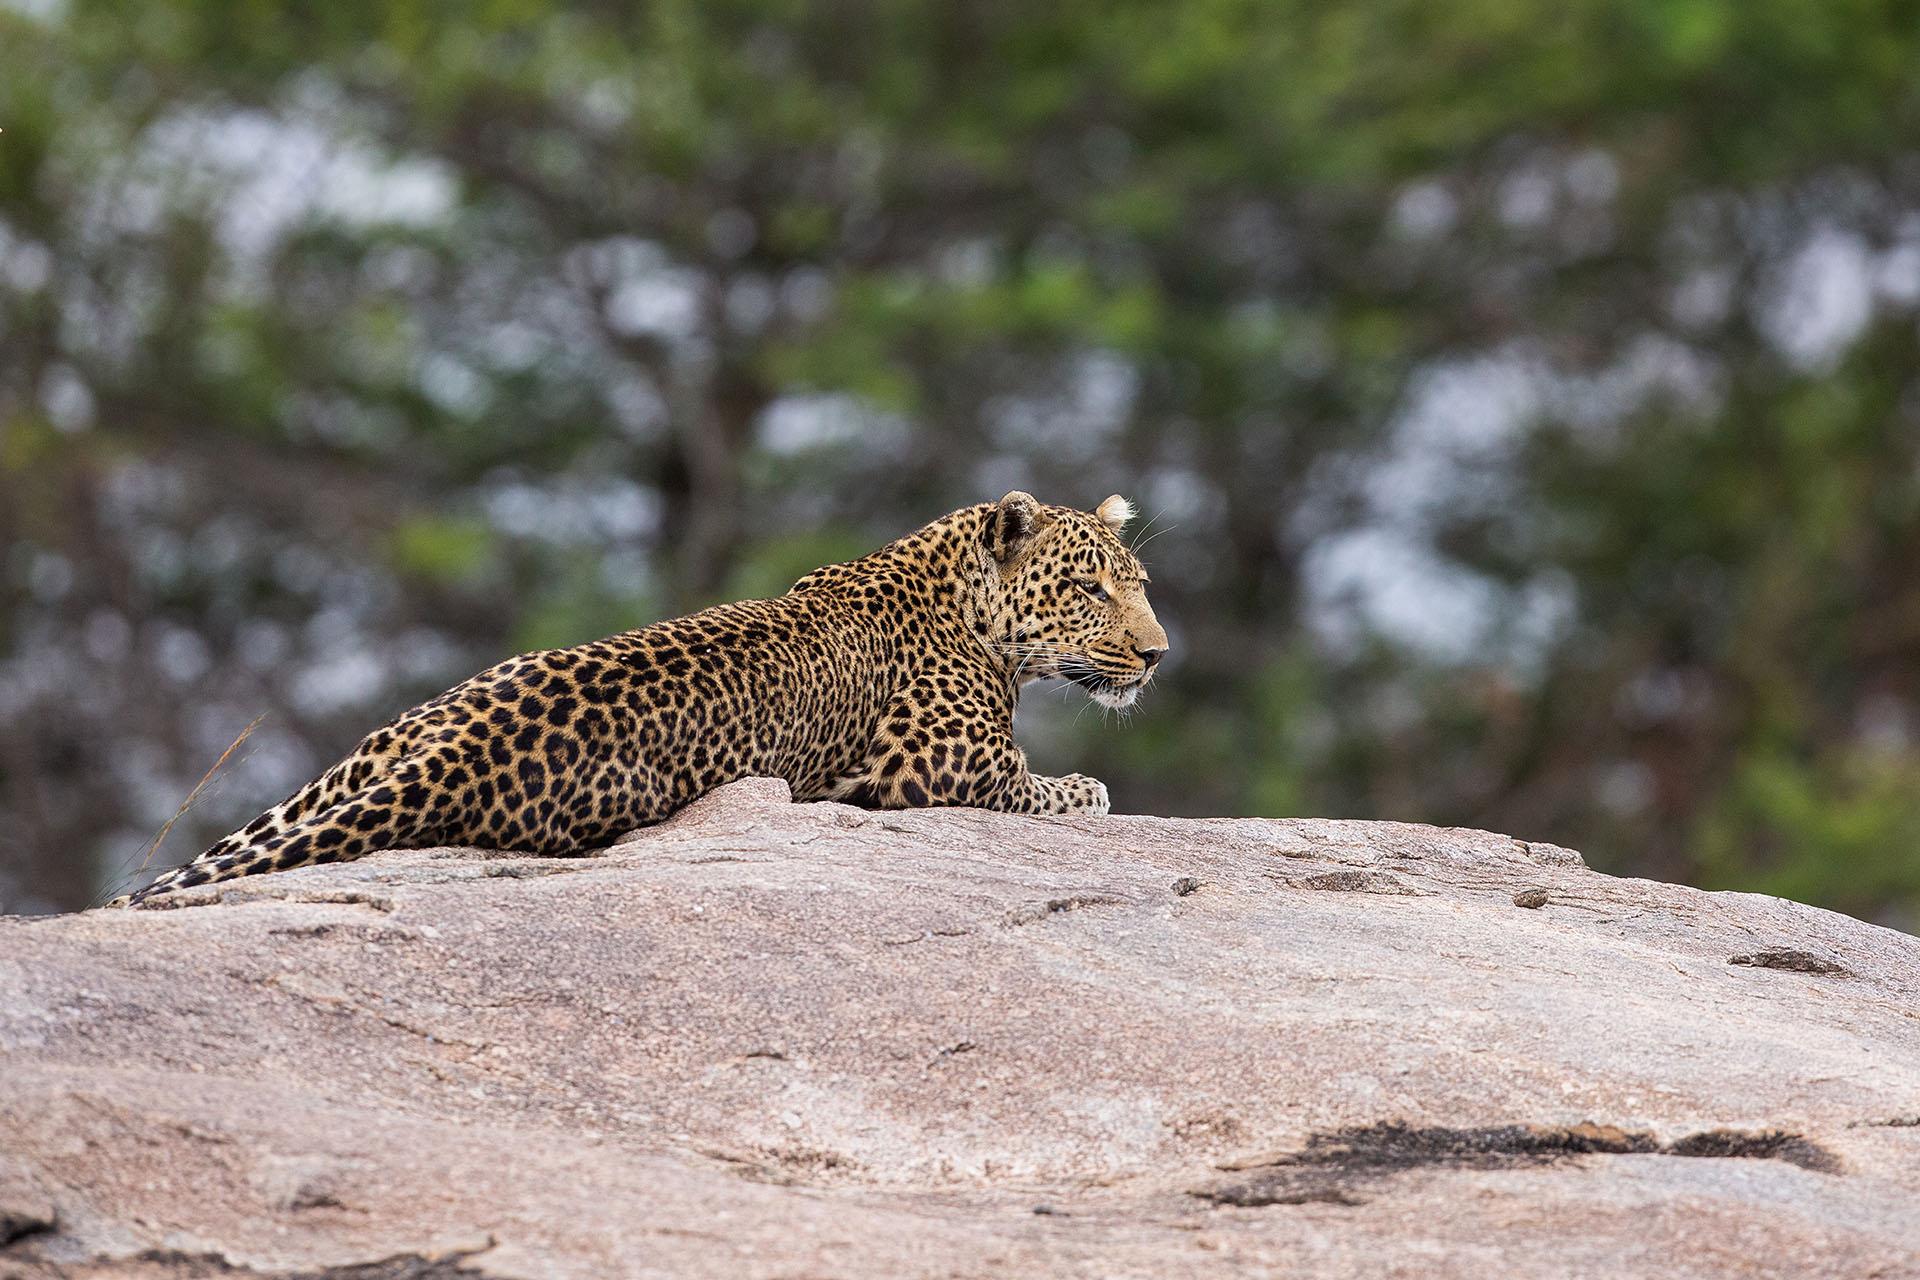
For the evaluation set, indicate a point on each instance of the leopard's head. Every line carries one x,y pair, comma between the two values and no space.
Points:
1072,597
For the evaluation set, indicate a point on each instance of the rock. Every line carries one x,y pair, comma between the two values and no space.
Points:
768,1039
1789,958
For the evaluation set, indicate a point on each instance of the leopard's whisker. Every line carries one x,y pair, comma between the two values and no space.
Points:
1150,537
1133,544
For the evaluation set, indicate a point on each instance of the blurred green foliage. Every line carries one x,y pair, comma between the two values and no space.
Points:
1525,391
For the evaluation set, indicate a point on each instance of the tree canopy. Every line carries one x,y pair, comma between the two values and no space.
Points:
1523,393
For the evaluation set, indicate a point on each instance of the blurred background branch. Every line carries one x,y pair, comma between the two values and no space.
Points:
1527,390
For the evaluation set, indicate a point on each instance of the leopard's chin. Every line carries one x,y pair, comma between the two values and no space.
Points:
1114,692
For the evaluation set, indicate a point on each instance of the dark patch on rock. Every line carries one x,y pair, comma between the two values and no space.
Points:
1184,886
346,898
1034,911
1766,1144
1531,899
1334,1167
955,1049
526,870
1354,882
410,1266
1206,1126
789,1166
1789,959
19,1223
1258,1194
320,930
173,1264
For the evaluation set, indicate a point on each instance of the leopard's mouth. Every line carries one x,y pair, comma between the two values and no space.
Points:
1116,692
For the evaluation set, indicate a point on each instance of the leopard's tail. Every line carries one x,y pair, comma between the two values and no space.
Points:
328,820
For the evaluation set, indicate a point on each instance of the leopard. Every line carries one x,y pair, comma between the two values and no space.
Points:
888,682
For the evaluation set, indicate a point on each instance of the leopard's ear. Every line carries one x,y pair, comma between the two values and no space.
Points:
1114,513
1011,526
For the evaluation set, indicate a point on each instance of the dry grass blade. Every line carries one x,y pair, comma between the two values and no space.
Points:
193,798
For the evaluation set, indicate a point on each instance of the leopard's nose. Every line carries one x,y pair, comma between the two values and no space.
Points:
1152,656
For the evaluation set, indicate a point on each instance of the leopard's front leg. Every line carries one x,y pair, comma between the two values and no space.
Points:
937,746
1074,793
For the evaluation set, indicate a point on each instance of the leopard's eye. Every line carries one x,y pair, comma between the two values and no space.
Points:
1092,587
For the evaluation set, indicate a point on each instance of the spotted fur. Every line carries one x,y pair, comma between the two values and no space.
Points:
889,681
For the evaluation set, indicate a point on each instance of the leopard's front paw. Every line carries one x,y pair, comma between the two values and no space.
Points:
1086,795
